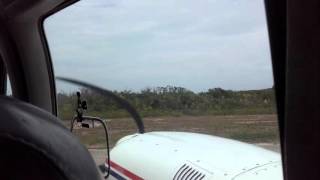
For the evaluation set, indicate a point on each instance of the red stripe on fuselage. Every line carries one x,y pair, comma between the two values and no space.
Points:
124,171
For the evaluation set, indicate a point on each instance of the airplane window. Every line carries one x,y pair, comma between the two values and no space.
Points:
184,65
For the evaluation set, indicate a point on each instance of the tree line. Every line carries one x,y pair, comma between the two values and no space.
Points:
172,101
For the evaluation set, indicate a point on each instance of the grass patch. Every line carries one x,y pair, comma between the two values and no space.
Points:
246,128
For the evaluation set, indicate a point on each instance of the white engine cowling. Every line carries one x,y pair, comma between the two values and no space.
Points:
179,155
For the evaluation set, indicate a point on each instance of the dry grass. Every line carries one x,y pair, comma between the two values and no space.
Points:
247,128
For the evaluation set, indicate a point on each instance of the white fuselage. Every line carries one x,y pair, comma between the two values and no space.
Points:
178,155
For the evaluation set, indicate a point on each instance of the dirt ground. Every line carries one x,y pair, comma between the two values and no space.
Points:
261,130
247,128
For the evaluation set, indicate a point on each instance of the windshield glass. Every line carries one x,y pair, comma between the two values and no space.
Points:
186,66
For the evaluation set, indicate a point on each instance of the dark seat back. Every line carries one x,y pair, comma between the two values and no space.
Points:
35,145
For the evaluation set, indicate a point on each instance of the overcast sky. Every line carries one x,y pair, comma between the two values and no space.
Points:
133,44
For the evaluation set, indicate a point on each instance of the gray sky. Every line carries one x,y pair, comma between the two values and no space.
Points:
133,44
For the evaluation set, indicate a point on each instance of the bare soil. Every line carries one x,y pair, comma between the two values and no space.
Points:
247,128
261,130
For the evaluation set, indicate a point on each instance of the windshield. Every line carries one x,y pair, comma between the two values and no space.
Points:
187,66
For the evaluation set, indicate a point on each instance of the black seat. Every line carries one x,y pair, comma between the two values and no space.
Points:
35,145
